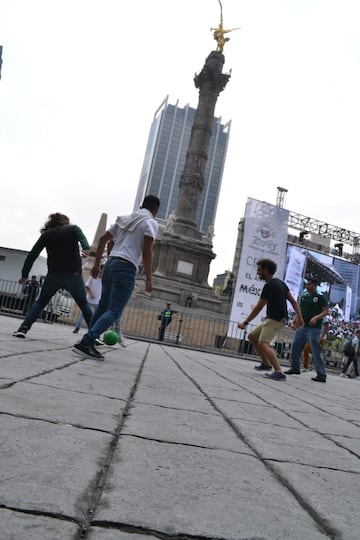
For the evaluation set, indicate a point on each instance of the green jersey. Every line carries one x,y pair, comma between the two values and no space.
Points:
311,305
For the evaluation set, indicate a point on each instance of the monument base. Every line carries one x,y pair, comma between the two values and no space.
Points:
181,268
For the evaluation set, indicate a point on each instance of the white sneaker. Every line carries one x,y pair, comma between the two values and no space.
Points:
122,344
304,369
343,375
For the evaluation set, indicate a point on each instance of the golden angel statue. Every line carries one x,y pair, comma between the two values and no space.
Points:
220,31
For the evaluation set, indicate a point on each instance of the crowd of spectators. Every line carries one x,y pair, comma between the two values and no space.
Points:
338,328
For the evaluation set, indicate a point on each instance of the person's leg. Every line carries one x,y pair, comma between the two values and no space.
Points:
351,366
306,353
118,284
76,287
117,328
347,364
79,322
162,331
268,332
316,351
50,286
253,338
297,347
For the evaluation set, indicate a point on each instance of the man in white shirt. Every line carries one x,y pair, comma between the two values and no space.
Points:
132,238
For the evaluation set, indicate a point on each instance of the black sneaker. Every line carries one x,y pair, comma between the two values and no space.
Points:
75,331
275,376
21,333
263,367
292,371
98,342
318,379
87,351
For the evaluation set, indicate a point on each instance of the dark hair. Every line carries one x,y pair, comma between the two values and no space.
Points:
55,220
267,264
312,279
151,203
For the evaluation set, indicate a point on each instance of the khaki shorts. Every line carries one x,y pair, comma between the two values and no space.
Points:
267,330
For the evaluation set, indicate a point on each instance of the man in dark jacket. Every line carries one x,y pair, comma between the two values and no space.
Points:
61,241
30,292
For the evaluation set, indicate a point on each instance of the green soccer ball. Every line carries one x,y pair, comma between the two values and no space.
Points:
110,337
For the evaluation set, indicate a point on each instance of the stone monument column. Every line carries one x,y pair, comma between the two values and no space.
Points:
211,81
182,254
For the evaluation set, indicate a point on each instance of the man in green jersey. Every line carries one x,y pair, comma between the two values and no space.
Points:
313,307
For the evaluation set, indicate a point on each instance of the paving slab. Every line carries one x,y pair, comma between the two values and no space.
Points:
96,533
181,490
17,525
107,379
334,495
244,411
287,444
159,441
180,426
48,467
59,405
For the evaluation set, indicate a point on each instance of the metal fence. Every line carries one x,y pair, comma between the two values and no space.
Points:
15,301
187,329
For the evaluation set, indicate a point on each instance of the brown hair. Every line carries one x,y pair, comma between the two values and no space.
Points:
55,220
267,264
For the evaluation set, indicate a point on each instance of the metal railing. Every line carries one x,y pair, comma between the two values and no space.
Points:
187,329
15,301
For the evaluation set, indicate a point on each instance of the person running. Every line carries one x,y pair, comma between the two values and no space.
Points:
61,241
274,296
133,238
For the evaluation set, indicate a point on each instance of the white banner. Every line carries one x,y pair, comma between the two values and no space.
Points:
348,302
265,237
294,272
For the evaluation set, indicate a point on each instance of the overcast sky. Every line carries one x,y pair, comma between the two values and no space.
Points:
81,80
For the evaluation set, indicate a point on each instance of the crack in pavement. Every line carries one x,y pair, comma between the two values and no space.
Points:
323,524
101,476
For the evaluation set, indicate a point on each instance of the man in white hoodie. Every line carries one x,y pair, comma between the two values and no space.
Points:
132,237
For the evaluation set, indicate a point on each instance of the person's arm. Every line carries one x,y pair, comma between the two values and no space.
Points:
109,247
30,258
104,239
324,330
298,319
255,311
147,260
83,241
321,315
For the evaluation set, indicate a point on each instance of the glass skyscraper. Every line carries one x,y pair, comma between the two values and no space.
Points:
165,159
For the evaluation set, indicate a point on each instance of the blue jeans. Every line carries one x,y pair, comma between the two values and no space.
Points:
81,315
54,281
118,281
311,335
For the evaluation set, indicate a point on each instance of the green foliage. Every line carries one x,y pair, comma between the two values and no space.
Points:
336,345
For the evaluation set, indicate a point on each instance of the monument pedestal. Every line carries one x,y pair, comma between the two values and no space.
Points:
181,268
